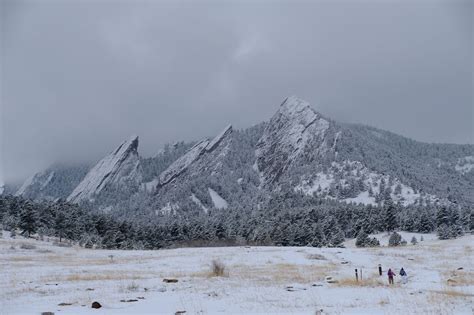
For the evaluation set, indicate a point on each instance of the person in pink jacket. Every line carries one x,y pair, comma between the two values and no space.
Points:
390,274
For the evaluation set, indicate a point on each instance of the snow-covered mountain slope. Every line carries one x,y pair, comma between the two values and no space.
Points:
183,163
352,182
120,168
58,181
205,162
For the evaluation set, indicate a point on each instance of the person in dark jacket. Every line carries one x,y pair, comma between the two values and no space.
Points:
404,275
390,274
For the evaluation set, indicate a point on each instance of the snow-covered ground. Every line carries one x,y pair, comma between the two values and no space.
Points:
264,280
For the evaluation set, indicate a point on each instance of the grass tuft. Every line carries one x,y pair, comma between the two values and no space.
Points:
217,268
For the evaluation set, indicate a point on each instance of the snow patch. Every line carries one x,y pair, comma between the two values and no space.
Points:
320,182
168,209
217,200
362,198
199,203
465,165
150,186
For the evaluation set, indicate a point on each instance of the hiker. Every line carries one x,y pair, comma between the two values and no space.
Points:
404,275
390,274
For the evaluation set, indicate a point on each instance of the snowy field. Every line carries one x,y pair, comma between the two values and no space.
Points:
257,280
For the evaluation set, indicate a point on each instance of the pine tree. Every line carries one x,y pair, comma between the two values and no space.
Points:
444,232
337,238
60,225
362,239
456,224
442,217
28,219
390,215
413,241
426,223
395,239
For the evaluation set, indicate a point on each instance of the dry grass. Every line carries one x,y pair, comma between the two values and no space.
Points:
217,269
450,293
384,301
21,258
27,246
315,257
459,278
283,273
365,282
116,275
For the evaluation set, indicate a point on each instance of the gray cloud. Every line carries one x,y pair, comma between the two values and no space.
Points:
78,77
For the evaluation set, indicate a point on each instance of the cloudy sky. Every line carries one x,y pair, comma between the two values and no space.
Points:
77,77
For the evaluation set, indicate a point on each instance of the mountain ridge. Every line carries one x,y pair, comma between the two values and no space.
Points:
299,148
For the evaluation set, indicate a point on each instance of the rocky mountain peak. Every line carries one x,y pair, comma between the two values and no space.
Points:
285,137
119,166
201,148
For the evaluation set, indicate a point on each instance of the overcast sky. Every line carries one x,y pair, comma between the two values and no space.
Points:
78,77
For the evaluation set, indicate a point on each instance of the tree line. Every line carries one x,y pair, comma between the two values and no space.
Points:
307,221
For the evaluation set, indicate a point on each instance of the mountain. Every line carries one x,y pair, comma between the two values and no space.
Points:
298,150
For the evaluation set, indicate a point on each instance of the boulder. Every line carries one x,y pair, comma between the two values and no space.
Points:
170,280
96,305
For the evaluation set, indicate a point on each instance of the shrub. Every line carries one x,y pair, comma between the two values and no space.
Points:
363,240
413,241
62,244
374,242
316,257
217,268
395,239
132,287
27,246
